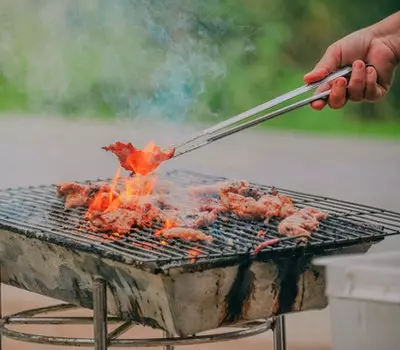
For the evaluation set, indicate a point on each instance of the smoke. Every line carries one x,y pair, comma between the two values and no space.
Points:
124,58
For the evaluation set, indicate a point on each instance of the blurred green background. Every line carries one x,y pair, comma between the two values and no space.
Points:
180,60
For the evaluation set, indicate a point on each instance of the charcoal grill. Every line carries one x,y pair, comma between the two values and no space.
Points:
182,288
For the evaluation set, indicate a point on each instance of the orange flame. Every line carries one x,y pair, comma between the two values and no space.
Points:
169,223
126,195
108,199
138,161
193,253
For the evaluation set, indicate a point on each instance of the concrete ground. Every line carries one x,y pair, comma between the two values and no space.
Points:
38,150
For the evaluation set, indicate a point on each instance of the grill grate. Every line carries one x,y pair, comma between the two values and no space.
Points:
37,212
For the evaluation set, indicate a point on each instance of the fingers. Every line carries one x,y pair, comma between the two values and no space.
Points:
329,62
357,83
362,86
316,74
373,91
337,97
320,104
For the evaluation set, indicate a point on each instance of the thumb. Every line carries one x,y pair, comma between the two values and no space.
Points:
329,62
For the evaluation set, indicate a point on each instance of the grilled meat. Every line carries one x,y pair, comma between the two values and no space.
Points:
187,234
205,219
79,195
120,220
75,195
266,207
245,207
138,161
112,208
277,205
212,205
242,188
207,190
302,222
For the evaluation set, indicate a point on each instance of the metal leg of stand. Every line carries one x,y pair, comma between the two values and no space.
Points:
279,333
168,347
1,311
100,314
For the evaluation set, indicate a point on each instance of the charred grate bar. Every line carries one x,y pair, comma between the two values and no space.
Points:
36,212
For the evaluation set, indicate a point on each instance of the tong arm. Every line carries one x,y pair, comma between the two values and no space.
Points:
249,118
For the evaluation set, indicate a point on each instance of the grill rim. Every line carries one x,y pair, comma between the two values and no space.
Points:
182,263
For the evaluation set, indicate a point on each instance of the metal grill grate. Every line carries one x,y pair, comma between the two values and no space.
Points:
37,212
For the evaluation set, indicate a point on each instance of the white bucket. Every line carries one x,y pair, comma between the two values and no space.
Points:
364,299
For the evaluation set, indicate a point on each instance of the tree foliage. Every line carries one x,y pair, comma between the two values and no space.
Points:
204,58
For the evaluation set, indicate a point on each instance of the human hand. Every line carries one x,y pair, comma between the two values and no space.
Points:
368,45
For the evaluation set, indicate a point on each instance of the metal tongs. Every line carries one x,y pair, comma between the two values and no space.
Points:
252,117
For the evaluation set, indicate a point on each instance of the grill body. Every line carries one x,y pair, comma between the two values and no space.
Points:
42,251
180,302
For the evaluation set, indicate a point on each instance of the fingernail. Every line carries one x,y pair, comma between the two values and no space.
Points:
358,65
370,70
341,82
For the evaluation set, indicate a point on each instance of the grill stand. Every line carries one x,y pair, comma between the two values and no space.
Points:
1,310
102,340
279,333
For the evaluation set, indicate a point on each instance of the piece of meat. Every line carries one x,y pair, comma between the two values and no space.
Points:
205,219
302,222
271,205
185,233
203,190
266,207
76,195
138,161
120,220
277,205
245,207
82,195
242,188
79,195
265,244
212,205
315,213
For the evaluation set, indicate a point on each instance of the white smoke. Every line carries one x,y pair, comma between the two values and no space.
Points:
139,57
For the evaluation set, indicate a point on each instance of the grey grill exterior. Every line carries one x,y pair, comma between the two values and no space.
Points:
45,249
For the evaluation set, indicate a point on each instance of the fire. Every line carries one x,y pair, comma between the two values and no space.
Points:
109,199
169,223
193,253
113,235
261,233
138,161
127,200
114,183
130,202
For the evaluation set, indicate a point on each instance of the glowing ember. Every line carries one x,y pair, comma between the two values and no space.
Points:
261,233
193,253
169,223
138,161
